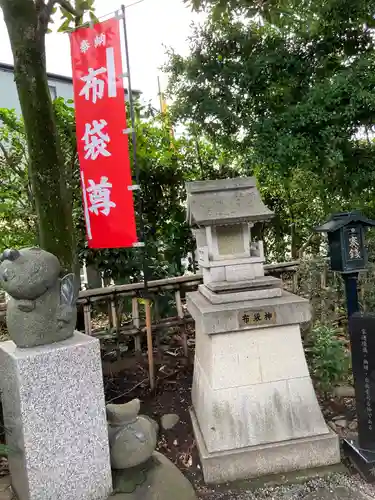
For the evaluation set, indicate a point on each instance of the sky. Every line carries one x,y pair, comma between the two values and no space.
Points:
152,24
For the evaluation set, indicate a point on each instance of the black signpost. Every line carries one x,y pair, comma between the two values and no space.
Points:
361,451
348,256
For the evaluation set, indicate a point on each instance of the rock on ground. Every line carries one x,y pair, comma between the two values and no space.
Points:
344,391
169,421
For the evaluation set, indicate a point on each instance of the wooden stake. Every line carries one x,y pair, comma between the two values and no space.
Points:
156,318
150,351
180,313
115,322
136,323
87,316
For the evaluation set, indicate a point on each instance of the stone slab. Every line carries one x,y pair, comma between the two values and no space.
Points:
261,413
225,298
362,341
54,410
289,309
274,458
255,284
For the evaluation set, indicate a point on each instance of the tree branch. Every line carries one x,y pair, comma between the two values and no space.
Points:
49,8
47,12
65,4
9,162
305,245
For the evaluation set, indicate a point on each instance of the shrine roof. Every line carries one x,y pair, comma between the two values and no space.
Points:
339,220
225,201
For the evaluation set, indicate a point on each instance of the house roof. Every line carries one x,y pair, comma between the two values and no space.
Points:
10,68
53,76
225,201
339,220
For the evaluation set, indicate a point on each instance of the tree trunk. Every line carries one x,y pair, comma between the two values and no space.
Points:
294,241
46,166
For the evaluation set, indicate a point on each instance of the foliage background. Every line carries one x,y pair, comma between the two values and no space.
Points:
165,164
279,89
286,86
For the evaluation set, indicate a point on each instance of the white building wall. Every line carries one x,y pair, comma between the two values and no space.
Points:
60,86
9,95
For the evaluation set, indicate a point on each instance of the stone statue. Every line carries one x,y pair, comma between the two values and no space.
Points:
139,472
42,307
132,438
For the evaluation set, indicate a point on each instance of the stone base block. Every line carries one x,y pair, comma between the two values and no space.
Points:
239,296
255,284
263,460
211,318
54,411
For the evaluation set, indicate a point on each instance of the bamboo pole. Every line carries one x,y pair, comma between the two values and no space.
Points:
180,313
150,352
136,322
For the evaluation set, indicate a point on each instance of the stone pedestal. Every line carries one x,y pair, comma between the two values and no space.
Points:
54,413
254,407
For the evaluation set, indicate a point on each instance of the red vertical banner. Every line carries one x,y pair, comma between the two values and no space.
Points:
102,139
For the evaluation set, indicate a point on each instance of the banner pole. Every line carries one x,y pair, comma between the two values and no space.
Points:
134,142
160,96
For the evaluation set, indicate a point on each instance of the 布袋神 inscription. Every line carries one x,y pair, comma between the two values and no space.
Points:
257,317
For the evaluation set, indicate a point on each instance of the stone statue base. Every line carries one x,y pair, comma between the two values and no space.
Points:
255,411
156,479
267,459
54,413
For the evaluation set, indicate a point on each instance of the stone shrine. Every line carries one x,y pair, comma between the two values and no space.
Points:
254,410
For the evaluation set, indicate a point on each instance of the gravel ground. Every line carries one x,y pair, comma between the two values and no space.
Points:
360,489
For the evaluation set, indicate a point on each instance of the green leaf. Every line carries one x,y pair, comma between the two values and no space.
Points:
65,26
65,14
93,17
4,450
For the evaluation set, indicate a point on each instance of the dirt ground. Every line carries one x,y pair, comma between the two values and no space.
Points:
171,395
